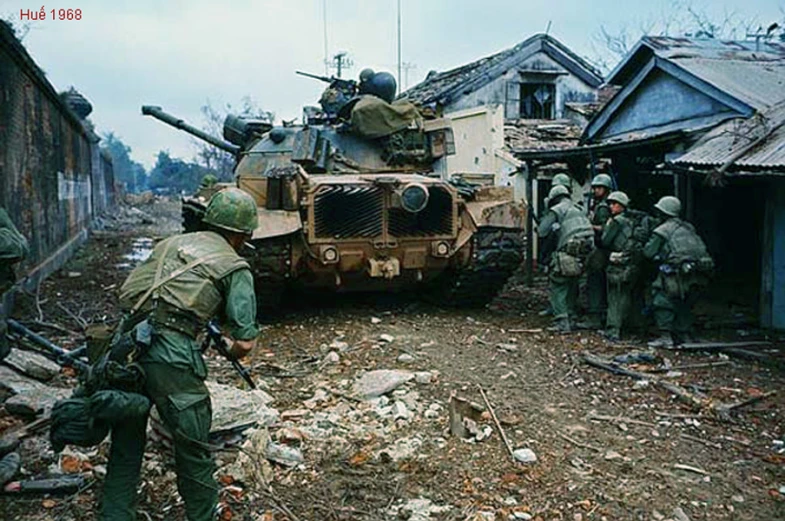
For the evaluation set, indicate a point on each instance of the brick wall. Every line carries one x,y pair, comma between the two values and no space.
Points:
49,168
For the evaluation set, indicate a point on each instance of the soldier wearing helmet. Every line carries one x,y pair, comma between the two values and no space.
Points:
599,214
13,248
622,270
684,268
574,238
188,280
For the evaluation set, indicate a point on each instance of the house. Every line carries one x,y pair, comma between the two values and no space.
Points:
684,121
534,94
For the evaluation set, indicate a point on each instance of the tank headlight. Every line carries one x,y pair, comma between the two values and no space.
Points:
441,249
330,254
414,198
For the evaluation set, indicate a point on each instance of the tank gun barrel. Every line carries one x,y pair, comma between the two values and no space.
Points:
159,114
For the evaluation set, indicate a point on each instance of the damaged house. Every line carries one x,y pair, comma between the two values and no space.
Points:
534,95
702,119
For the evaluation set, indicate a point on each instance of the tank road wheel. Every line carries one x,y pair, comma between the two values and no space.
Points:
496,254
270,262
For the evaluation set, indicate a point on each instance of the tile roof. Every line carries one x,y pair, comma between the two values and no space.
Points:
537,134
756,143
443,87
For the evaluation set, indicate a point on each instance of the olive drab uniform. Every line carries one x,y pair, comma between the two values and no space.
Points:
685,267
567,264
13,248
621,271
211,279
596,264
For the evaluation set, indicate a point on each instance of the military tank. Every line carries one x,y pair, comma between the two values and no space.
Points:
357,197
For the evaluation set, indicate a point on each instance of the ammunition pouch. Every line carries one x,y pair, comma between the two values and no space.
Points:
580,247
567,265
165,315
116,367
72,424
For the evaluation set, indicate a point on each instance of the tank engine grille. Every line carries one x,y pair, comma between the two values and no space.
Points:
434,219
348,211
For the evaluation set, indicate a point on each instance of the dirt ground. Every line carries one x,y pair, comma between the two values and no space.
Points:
608,447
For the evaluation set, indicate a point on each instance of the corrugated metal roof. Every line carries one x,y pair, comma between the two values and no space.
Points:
674,47
757,83
727,140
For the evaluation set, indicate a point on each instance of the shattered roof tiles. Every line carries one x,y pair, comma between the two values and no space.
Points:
528,134
442,87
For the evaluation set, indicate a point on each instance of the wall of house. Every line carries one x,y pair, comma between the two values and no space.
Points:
568,87
479,143
662,104
47,181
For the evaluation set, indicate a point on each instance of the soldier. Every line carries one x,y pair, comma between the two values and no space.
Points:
685,267
13,248
548,245
187,280
622,269
574,238
595,277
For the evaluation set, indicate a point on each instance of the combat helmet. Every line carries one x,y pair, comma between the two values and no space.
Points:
556,193
602,180
669,205
561,180
619,197
232,209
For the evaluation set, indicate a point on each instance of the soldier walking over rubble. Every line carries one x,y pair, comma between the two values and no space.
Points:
574,239
13,248
599,214
187,280
623,266
685,267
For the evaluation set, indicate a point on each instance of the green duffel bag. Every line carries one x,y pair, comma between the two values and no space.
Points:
111,406
72,424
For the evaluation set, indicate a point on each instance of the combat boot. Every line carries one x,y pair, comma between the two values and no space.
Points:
665,341
561,325
611,334
591,322
9,466
8,444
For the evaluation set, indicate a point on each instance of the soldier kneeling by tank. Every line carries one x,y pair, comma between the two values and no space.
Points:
623,265
685,268
574,243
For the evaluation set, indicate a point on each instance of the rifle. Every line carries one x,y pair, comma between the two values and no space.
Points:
55,353
215,337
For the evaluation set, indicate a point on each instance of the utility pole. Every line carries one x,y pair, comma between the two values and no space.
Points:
407,66
326,53
399,47
340,62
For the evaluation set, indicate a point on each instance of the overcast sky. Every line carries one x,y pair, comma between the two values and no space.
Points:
180,54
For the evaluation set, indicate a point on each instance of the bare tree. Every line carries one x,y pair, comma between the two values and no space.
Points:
214,159
679,18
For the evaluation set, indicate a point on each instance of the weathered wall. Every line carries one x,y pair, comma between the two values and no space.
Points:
568,87
46,164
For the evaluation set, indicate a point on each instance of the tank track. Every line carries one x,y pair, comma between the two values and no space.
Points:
496,254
